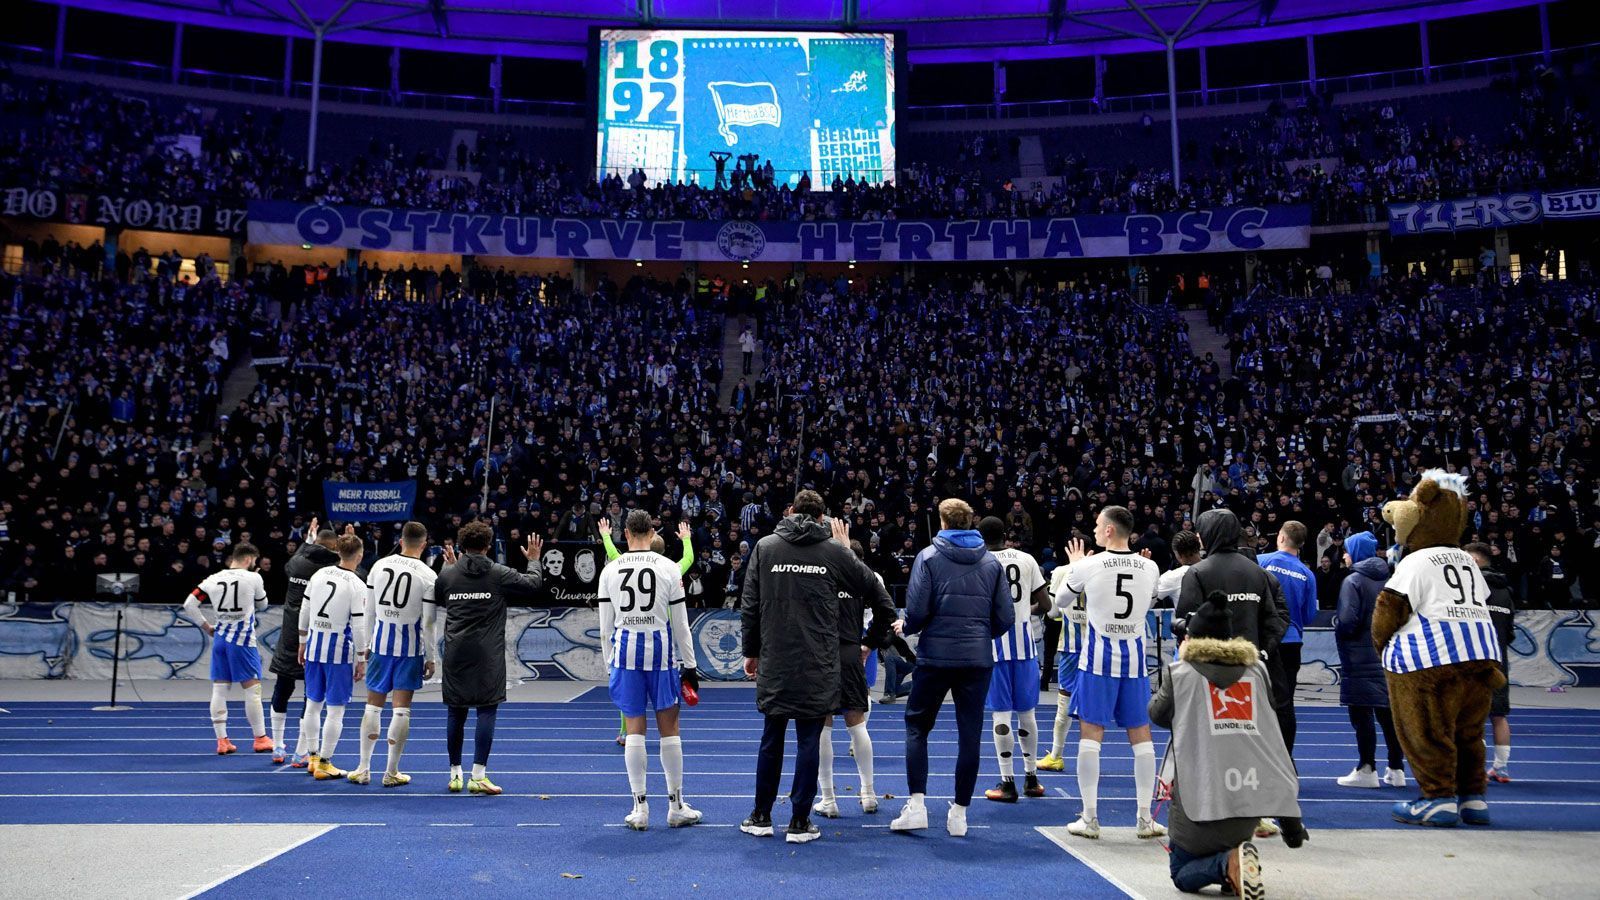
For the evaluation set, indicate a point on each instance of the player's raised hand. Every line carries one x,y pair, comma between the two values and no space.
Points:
684,531
311,529
535,545
350,528
1146,553
604,525
449,554
841,531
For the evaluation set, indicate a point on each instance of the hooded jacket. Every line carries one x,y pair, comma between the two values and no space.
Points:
472,596
1502,609
791,616
1361,679
298,570
1255,599
958,600
1223,664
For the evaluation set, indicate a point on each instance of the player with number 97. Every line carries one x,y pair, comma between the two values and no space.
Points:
644,633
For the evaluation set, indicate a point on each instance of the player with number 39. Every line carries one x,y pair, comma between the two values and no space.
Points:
644,631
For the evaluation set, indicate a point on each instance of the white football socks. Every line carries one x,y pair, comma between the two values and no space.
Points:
310,728
399,731
1004,741
371,722
1028,737
1144,776
252,710
1089,777
479,771
1502,755
219,710
672,765
1058,730
332,727
862,742
635,757
825,763
279,721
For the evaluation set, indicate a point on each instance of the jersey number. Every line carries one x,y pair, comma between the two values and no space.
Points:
222,602
1236,781
322,613
1014,579
646,585
401,595
1123,579
1460,578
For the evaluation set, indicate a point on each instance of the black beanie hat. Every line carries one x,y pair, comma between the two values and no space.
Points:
1211,619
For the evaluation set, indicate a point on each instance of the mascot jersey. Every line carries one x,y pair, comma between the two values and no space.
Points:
1450,620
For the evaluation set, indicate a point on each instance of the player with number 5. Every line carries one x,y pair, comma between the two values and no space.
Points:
644,632
1113,687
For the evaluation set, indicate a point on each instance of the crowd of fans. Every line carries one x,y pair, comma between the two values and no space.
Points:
549,410
1346,161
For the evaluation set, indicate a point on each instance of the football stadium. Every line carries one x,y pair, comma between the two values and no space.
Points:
862,449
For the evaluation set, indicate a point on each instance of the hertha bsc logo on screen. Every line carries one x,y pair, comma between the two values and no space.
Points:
1233,709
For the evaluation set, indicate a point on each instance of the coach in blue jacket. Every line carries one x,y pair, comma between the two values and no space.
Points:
959,602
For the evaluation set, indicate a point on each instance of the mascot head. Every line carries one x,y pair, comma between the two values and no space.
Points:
1434,515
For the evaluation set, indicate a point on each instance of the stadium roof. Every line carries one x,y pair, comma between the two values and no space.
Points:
936,30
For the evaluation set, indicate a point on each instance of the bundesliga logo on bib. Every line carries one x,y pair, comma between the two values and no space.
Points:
1233,709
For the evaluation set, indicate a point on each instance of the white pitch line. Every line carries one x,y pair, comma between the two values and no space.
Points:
1094,866
321,830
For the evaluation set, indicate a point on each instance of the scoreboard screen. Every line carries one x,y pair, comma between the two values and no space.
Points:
679,103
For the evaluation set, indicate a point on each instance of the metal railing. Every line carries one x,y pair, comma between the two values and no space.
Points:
956,112
1255,93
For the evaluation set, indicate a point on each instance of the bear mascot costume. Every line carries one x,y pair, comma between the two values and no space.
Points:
1432,629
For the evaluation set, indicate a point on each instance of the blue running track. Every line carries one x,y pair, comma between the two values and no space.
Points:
566,794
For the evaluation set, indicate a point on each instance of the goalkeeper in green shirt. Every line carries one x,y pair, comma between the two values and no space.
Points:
659,546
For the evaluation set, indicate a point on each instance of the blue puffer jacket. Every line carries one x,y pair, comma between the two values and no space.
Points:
1361,680
958,601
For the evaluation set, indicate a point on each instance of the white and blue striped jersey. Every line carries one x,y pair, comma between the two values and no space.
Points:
235,595
1450,621
644,623
1119,587
397,588
1074,615
331,622
1023,577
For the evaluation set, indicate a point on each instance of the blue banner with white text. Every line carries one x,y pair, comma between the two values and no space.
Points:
1492,211
369,501
1075,237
